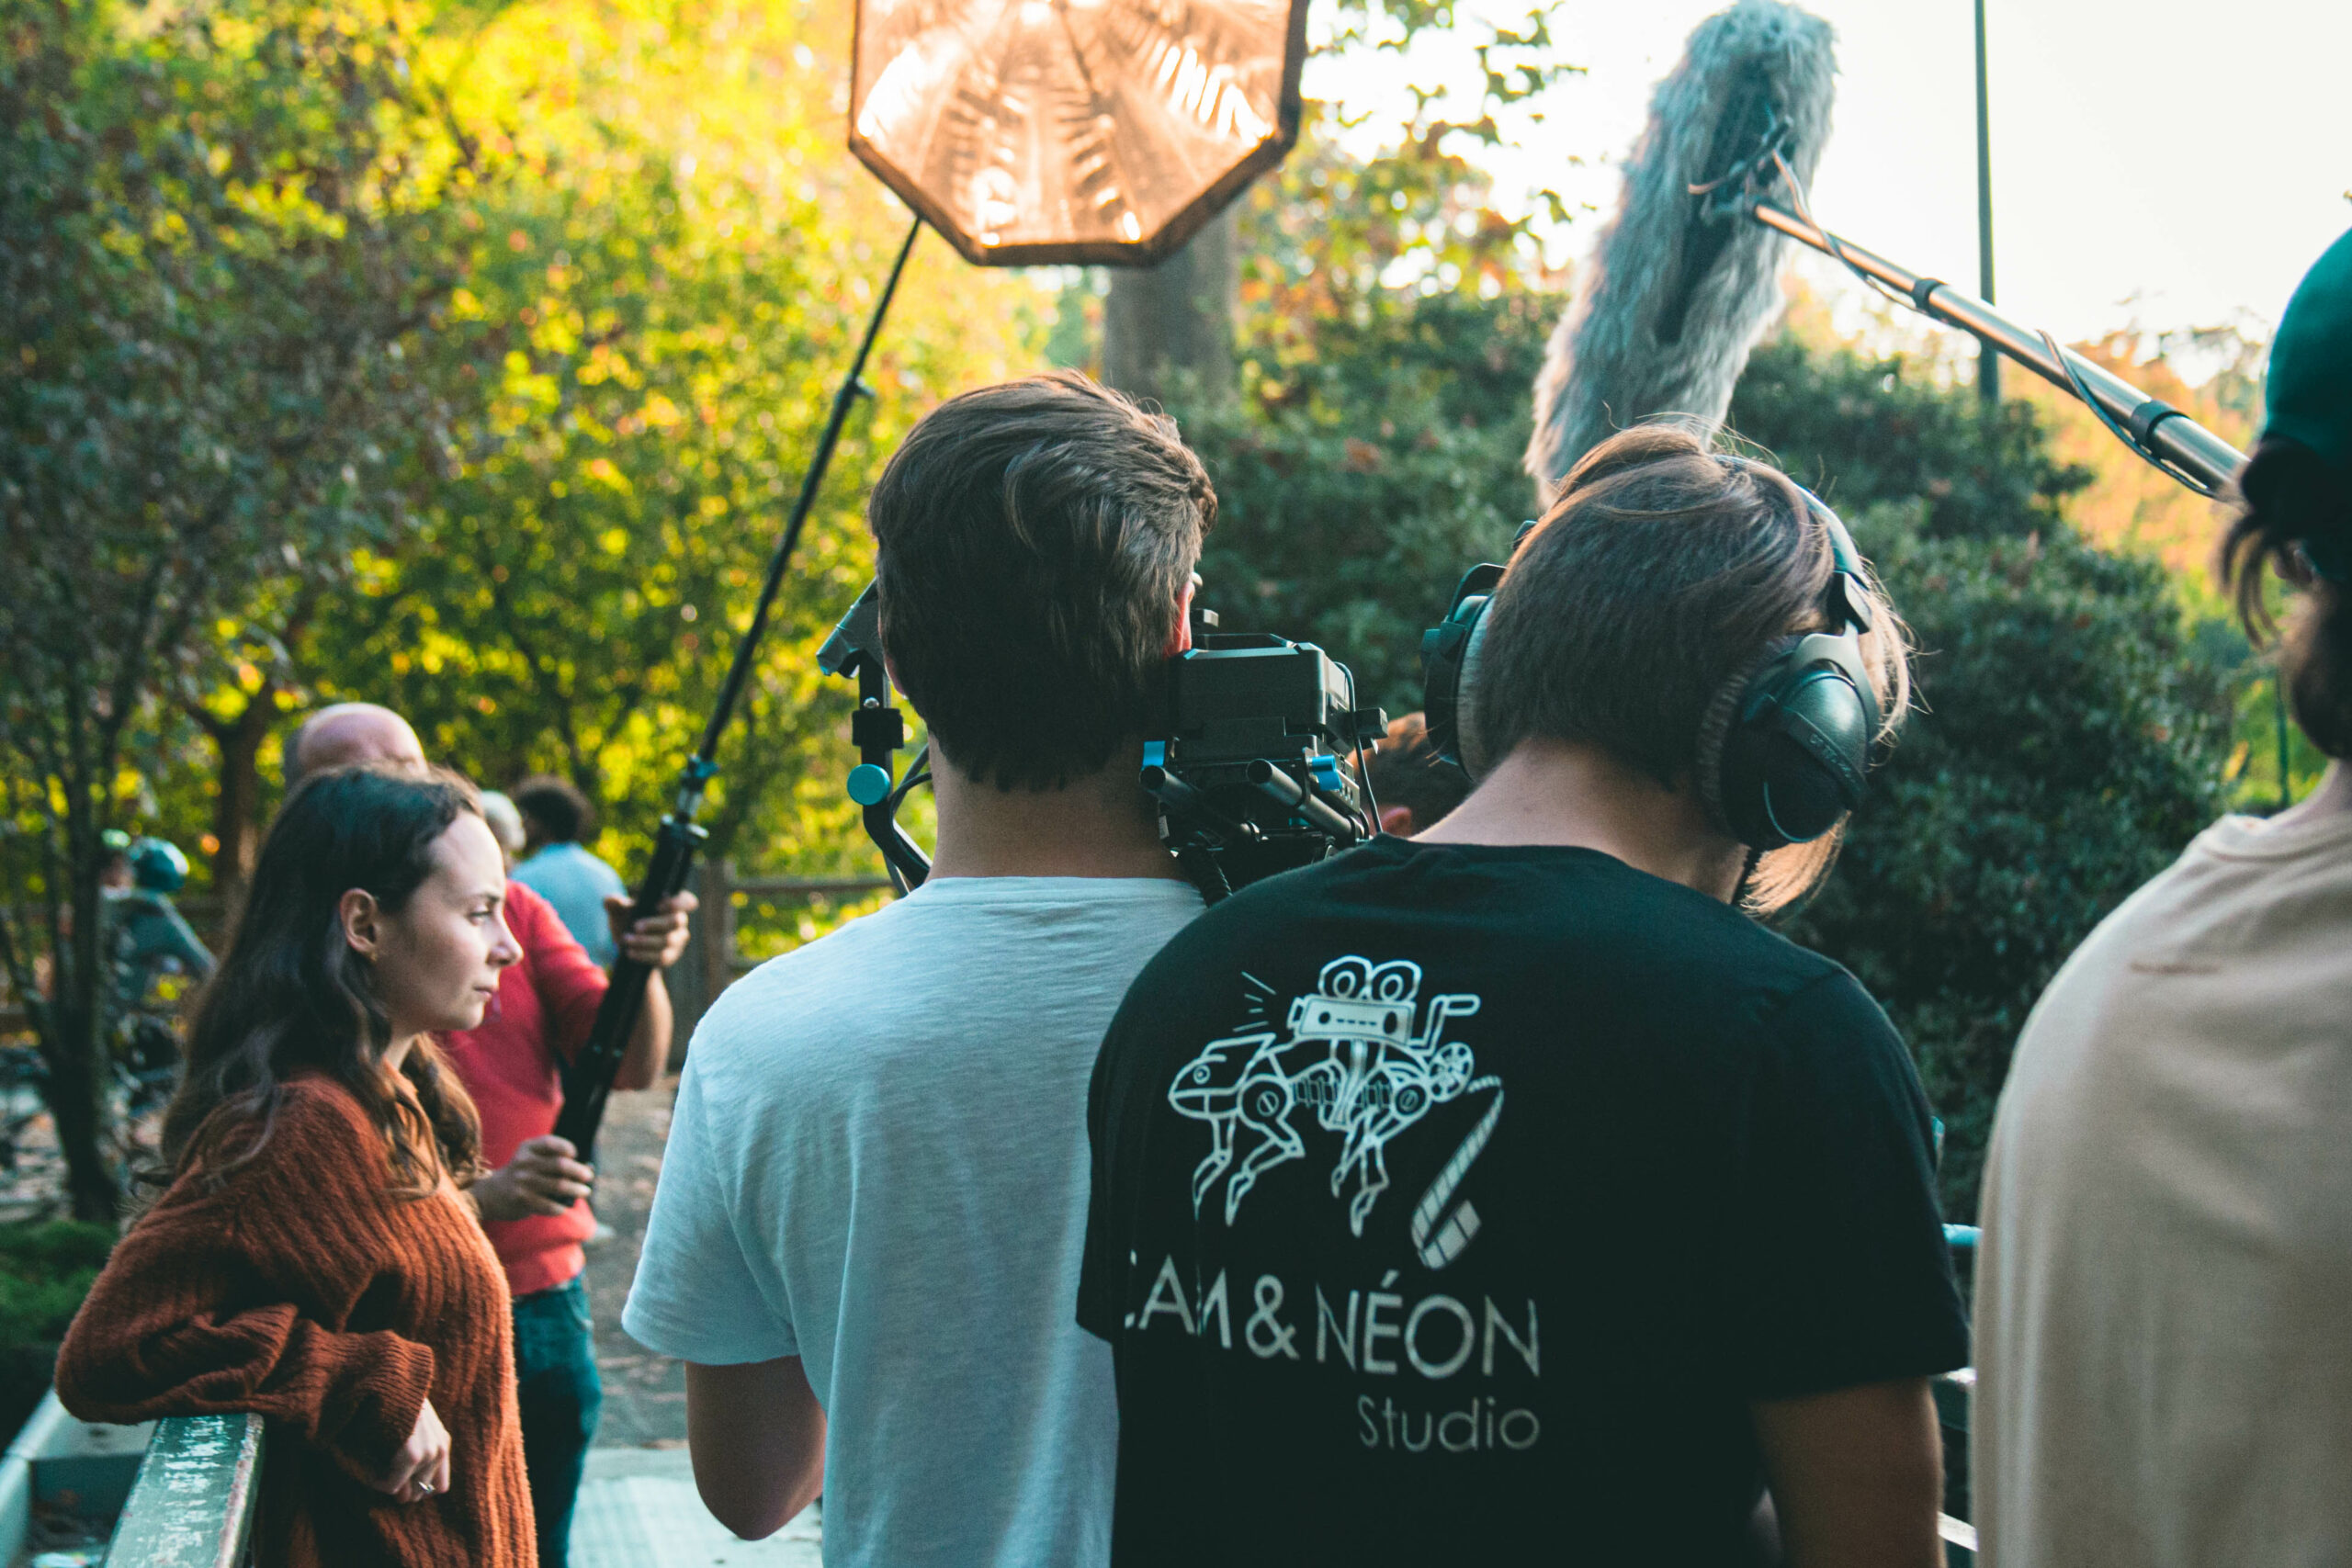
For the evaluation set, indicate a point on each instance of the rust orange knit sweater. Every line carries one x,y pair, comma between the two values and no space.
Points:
303,1289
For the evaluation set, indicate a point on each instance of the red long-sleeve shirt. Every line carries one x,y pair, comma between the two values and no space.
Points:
545,1005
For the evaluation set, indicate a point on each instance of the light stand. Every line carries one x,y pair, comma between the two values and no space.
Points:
1025,135
588,1082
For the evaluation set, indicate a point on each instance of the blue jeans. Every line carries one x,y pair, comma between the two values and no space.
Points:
560,1394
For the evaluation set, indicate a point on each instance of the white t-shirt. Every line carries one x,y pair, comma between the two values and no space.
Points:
879,1164
2163,1301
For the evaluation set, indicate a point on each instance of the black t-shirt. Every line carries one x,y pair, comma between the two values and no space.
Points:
1450,1204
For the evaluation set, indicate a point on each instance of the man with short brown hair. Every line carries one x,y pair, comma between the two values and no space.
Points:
865,1240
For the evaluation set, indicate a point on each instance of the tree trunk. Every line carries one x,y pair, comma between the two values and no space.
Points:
75,1049
1168,331
76,1099
236,809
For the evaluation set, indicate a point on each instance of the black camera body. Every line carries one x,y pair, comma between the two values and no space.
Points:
1250,776
1249,769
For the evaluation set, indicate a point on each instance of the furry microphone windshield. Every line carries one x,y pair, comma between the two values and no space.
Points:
1679,287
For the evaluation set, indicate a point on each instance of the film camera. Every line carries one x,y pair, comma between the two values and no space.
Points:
1252,769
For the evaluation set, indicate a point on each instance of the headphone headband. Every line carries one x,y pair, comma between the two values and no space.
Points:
1787,759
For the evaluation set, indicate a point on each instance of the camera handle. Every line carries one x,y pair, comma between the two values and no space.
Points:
879,729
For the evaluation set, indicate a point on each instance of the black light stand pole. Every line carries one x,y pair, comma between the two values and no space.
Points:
1988,361
589,1082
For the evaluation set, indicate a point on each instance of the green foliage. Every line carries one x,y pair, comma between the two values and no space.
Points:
2073,728
1860,430
477,356
585,566
1514,65
2274,764
222,231
46,1268
1375,451
1350,503
657,313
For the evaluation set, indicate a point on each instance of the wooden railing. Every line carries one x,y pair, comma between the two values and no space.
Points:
713,961
192,1506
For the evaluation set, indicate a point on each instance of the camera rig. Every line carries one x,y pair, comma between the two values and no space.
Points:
1252,770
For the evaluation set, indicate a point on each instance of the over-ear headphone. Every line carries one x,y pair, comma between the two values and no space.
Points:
1786,746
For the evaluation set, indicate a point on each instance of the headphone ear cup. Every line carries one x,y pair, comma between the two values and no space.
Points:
1782,794
1469,743
1447,649
1794,749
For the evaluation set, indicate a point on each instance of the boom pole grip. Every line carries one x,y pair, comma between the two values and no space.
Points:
588,1083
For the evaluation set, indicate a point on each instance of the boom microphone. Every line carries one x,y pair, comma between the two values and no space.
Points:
1685,277
1675,296
2156,431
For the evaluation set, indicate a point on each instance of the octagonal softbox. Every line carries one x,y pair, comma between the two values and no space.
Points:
1033,131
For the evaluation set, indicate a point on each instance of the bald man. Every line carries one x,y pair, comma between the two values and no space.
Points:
534,1202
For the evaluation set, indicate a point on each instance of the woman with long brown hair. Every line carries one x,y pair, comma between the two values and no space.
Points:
312,1256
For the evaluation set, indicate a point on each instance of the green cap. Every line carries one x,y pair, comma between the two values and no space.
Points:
2310,393
2310,388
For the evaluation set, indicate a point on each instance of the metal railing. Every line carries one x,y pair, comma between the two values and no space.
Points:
1953,1391
192,1506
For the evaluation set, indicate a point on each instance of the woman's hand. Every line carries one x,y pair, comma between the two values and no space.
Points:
421,1469
542,1178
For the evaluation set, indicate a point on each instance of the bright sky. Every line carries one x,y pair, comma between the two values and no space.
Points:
2162,163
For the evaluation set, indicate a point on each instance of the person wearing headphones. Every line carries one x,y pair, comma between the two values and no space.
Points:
1513,1187
2165,1289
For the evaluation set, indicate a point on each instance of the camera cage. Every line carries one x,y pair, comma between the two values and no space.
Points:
1250,771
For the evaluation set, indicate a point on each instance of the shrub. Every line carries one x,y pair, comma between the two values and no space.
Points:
1861,430
1350,503
46,1268
2069,742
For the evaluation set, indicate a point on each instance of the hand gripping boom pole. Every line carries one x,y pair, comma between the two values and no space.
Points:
589,1081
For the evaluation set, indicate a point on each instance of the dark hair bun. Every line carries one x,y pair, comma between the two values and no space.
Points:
2295,515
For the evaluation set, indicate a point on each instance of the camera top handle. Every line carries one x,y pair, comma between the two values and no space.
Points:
1246,771
878,730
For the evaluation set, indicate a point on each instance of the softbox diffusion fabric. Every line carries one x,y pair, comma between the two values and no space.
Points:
1033,131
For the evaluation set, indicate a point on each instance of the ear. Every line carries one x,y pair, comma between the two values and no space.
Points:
1181,639
1397,820
362,922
